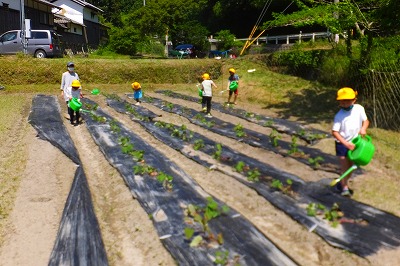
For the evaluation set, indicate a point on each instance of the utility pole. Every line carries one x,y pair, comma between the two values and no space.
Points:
336,15
22,23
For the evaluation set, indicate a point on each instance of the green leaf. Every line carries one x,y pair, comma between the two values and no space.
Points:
189,232
196,241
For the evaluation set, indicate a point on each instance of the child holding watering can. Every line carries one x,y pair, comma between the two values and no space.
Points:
206,87
74,91
233,82
137,92
349,122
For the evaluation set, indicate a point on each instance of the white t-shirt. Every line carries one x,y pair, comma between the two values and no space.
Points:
349,123
207,86
67,78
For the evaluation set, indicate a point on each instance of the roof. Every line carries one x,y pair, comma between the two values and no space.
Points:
61,20
48,3
79,2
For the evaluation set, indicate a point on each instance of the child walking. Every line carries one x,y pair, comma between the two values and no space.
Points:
349,122
206,87
74,91
233,77
137,92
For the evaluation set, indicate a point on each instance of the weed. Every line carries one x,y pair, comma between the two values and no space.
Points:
315,162
332,215
222,258
239,166
128,148
198,144
114,126
268,123
293,146
203,120
170,106
286,189
239,131
202,216
165,179
249,114
218,151
98,118
274,137
253,175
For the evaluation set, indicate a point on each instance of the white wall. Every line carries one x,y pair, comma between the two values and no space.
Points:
71,10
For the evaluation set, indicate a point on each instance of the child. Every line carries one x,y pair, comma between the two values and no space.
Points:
349,122
206,87
232,77
74,91
137,92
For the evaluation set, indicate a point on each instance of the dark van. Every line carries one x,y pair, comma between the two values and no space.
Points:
43,43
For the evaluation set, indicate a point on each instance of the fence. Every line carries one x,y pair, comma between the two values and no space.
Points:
291,38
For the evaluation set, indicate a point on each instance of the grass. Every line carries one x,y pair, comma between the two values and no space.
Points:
13,112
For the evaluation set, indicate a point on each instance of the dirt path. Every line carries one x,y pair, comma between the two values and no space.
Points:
127,231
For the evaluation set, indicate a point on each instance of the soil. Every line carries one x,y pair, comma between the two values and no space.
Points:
127,231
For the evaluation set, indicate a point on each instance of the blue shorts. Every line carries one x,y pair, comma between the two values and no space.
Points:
341,150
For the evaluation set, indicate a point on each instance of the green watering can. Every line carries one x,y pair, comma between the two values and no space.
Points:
361,155
95,91
233,85
75,104
363,152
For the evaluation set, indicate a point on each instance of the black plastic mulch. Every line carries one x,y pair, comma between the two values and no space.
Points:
364,229
281,125
301,153
167,208
78,240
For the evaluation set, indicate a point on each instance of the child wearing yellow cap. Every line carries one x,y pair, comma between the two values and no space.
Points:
349,122
137,92
73,91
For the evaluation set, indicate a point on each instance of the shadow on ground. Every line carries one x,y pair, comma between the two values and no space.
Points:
311,105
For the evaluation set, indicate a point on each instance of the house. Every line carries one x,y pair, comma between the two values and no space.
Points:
76,21
38,11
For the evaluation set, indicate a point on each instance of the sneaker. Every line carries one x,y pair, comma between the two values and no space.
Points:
204,109
208,115
346,192
138,103
339,187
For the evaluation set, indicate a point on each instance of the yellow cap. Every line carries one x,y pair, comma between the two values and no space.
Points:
135,85
75,83
232,70
346,94
206,76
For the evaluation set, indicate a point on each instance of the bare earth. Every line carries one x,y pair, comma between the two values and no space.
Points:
127,231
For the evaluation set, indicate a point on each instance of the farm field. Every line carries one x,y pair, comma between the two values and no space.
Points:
37,178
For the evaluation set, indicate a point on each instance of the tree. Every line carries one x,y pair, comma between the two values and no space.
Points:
353,18
179,17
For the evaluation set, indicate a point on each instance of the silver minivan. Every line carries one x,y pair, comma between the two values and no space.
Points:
43,43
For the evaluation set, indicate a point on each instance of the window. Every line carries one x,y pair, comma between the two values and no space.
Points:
44,18
9,36
39,35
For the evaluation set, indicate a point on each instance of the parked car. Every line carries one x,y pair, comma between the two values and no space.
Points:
186,49
43,43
